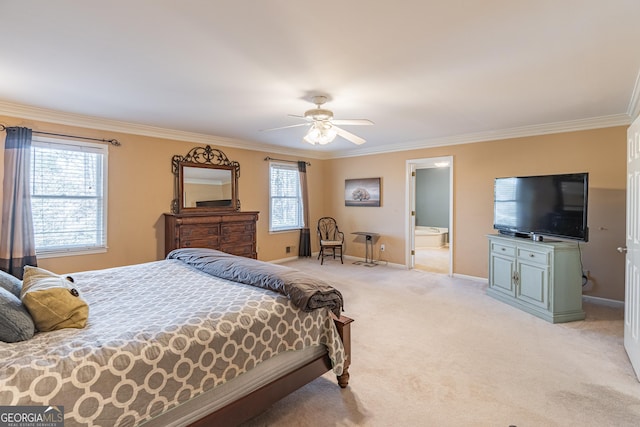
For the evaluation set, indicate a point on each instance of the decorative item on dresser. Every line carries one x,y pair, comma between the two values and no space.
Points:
205,211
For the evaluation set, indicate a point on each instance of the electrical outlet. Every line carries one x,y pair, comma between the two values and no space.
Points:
382,247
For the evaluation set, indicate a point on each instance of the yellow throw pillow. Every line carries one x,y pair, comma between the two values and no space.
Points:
52,300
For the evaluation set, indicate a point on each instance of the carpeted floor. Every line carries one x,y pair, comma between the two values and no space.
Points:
429,350
434,260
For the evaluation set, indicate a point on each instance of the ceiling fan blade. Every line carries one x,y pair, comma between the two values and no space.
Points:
357,122
297,116
284,127
349,136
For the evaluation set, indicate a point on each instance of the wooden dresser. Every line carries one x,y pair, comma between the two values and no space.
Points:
231,232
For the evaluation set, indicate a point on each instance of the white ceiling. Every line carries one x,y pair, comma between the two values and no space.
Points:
426,72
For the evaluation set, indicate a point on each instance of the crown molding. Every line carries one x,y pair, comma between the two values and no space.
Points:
519,132
79,120
634,103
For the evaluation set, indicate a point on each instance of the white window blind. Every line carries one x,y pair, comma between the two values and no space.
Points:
285,206
68,196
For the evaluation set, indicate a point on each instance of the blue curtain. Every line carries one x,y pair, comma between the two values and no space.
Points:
17,244
304,248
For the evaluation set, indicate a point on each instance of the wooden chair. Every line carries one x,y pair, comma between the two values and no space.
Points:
331,238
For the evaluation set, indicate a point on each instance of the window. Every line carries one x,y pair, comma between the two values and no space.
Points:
68,199
285,205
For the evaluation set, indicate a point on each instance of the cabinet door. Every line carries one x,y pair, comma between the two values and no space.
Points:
502,270
533,285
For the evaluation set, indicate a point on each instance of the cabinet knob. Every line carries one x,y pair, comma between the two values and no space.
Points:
622,249
532,256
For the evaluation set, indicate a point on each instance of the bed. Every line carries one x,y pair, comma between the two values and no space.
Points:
201,338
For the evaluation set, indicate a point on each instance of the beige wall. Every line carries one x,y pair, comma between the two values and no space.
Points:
600,152
141,190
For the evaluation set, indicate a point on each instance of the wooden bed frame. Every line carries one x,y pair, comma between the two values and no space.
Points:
261,399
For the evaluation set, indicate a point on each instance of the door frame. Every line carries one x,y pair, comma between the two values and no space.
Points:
410,219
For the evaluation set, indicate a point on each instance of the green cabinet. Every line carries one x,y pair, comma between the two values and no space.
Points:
541,278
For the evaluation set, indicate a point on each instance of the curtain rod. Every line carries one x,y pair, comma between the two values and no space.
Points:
114,142
281,160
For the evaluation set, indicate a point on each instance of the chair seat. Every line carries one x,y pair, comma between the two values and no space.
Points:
331,242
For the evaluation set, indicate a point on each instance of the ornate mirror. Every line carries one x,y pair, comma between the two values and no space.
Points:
205,181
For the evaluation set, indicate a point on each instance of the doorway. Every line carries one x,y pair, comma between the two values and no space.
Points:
430,214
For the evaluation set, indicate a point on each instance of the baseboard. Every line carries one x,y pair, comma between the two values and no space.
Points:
603,301
392,264
314,255
281,260
381,262
349,258
474,278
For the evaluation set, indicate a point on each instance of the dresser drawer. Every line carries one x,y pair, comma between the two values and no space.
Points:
238,232
246,250
211,243
238,228
199,231
504,250
527,255
238,238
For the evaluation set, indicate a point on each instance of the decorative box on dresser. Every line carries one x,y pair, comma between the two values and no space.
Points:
541,278
231,232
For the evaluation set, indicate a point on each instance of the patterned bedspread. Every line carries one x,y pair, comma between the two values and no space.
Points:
158,334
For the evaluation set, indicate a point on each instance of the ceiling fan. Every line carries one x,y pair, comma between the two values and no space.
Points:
322,126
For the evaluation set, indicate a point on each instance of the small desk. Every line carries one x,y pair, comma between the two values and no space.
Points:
368,245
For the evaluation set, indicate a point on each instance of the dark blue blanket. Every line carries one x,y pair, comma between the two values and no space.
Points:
305,292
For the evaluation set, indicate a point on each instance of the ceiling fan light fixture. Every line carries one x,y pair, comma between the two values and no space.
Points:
320,133
322,128
318,114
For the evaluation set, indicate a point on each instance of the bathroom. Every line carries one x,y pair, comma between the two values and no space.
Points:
432,219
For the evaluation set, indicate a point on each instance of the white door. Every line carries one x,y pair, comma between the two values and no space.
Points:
632,274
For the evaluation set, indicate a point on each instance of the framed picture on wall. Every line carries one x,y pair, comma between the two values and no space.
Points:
362,192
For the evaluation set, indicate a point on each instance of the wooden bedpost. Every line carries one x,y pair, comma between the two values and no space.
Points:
343,323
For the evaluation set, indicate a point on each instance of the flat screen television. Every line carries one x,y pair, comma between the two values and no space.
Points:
549,205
